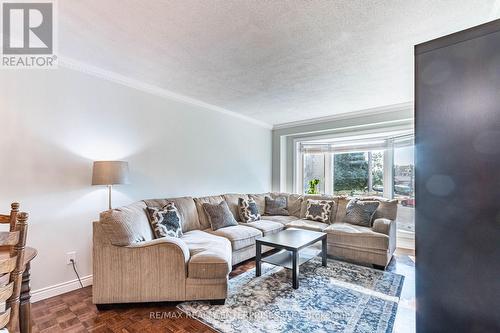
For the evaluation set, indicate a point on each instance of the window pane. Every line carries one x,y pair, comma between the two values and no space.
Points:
404,185
377,165
360,173
350,173
314,169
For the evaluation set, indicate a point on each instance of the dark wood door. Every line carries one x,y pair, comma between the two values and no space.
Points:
457,136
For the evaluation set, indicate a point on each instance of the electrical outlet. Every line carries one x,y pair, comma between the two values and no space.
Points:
69,256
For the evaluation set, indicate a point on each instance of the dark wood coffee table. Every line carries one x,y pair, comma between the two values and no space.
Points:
290,241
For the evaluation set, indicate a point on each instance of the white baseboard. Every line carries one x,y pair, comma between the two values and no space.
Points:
60,288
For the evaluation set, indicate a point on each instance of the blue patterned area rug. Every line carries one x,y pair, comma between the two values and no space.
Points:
341,297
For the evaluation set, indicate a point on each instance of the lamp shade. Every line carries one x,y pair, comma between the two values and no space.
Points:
110,173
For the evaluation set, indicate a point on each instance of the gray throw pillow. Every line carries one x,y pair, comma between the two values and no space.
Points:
277,206
165,221
248,210
360,212
319,210
219,215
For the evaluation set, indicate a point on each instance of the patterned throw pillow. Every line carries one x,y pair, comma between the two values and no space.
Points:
319,210
248,210
165,221
360,212
219,215
276,206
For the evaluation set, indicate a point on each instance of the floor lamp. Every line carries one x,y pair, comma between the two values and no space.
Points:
110,173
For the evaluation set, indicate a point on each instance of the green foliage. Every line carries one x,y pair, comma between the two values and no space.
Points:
378,168
351,172
313,186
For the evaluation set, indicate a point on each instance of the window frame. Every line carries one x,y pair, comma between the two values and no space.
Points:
406,239
388,147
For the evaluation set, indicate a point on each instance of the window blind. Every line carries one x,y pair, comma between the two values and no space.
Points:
356,145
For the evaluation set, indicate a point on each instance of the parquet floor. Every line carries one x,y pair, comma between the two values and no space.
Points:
74,312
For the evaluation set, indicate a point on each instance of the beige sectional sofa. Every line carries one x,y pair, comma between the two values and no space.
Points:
131,266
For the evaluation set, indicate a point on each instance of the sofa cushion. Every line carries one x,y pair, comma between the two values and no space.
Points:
260,200
281,219
341,208
219,215
240,236
388,209
294,202
319,210
266,227
186,208
307,225
210,255
276,206
214,199
360,212
127,225
248,210
355,236
335,199
165,221
232,200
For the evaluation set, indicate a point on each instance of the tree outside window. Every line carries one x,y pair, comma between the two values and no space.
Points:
358,173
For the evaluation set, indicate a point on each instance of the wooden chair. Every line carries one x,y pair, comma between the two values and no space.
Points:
12,266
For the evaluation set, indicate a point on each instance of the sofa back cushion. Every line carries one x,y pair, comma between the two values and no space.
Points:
294,202
186,208
232,200
127,225
341,208
202,215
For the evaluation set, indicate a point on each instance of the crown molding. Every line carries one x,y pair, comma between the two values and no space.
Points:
150,89
348,115
114,77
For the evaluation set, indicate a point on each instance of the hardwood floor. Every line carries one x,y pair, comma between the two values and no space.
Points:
74,311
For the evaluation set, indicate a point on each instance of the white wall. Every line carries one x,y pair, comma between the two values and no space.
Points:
55,123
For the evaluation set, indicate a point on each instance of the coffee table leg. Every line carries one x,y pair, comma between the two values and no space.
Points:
295,270
323,251
257,258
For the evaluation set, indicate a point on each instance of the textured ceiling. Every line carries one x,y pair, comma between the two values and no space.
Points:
275,61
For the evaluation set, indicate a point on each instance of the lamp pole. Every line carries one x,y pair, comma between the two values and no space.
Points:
109,195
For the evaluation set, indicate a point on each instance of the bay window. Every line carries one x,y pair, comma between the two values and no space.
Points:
378,166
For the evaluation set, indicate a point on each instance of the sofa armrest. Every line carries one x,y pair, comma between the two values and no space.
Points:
168,242
148,271
383,226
